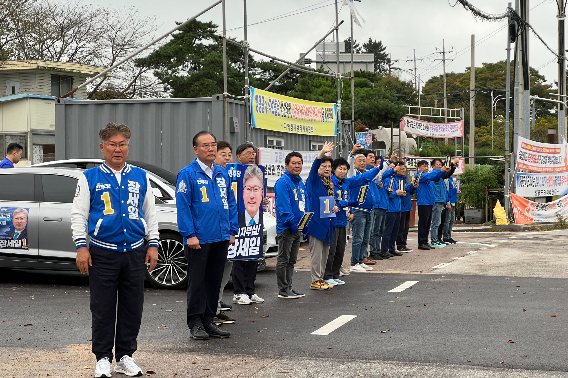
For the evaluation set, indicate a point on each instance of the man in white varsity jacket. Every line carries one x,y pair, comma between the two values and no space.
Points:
114,205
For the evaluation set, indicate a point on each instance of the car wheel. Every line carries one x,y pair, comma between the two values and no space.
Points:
171,270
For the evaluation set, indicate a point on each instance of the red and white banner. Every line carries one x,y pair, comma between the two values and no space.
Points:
541,157
432,130
412,162
527,212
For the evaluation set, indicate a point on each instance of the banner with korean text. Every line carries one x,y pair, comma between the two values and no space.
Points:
432,130
542,184
527,212
273,161
271,111
541,157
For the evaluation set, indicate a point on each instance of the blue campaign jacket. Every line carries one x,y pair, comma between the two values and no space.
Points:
120,210
342,192
381,196
452,191
425,191
206,208
407,200
319,228
395,202
440,190
289,192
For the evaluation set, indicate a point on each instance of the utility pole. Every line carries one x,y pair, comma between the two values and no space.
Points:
338,73
225,90
472,105
415,86
561,72
518,93
443,52
507,110
352,86
526,78
247,86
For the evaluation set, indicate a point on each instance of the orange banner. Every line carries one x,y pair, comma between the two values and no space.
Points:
527,212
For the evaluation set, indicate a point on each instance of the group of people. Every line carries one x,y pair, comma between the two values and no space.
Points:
372,195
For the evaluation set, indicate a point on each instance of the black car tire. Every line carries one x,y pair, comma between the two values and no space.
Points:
171,270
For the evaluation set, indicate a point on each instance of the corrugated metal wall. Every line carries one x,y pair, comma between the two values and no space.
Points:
162,129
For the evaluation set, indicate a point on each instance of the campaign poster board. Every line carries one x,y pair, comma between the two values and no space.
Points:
249,186
365,139
14,227
541,157
326,207
271,111
430,129
542,184
527,212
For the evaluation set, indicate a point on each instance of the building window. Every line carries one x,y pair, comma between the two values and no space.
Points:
61,85
316,145
12,87
6,139
276,143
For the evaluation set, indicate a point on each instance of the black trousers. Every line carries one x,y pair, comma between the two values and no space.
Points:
424,222
205,272
244,275
116,282
392,222
441,228
403,229
336,253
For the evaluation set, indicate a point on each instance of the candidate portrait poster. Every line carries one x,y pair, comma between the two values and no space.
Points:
365,139
14,227
541,157
248,182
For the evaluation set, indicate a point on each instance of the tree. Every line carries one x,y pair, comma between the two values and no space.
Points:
79,33
383,62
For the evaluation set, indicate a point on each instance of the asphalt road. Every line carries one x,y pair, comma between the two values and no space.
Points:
496,307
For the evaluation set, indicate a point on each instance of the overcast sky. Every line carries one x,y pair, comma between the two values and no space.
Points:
402,26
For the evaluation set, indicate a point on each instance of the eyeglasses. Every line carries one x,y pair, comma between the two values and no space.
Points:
249,154
122,146
207,145
253,189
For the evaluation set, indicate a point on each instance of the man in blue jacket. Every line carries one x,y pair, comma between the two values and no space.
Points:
451,210
342,185
290,197
395,193
425,200
208,222
406,208
440,199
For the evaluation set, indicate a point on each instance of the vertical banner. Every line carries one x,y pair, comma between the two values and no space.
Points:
248,184
527,212
271,111
364,139
541,157
14,227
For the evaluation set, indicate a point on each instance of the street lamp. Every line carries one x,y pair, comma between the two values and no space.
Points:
494,105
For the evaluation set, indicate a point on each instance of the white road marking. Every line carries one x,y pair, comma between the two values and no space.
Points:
440,265
333,325
403,287
483,244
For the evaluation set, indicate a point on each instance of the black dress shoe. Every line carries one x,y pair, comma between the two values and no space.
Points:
225,306
198,333
376,256
424,247
431,246
395,253
386,256
214,331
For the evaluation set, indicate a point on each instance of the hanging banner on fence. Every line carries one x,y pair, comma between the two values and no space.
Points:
273,160
432,130
271,111
542,184
364,139
412,162
527,212
248,184
541,157
14,227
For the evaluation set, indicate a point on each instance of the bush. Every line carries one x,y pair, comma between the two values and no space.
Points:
474,181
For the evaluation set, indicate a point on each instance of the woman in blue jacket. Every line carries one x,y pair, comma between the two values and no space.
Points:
320,228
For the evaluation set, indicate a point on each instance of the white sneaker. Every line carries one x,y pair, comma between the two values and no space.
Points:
256,299
357,268
365,266
127,366
102,370
241,299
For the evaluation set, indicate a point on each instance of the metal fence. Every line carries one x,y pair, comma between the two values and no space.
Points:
162,129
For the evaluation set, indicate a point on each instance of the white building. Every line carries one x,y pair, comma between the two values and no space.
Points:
326,58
